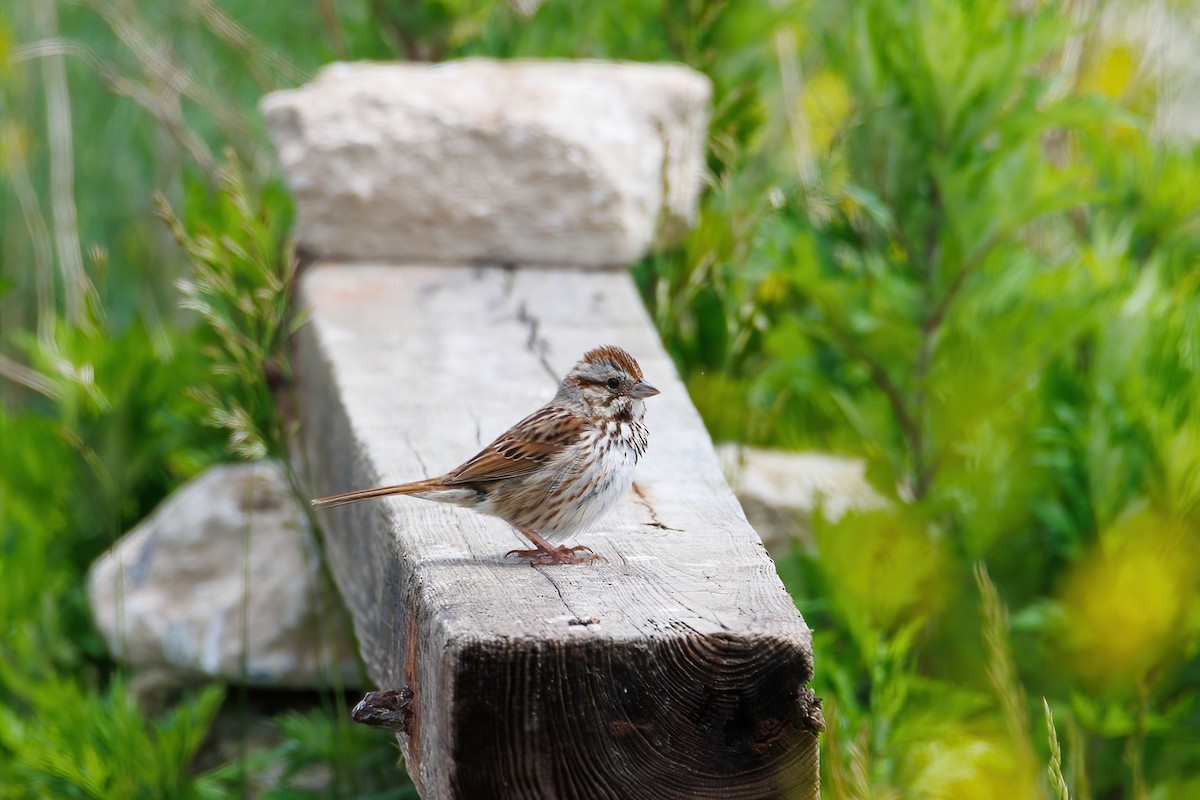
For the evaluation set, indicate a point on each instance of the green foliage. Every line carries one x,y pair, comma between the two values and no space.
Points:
104,383
322,755
112,430
988,292
980,278
365,763
937,235
240,284
924,254
85,744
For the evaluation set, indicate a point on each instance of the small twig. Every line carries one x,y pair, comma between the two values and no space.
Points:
254,49
936,317
1001,668
930,333
15,168
908,424
797,121
170,79
169,115
28,377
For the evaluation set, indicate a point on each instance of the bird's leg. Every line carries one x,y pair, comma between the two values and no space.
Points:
547,552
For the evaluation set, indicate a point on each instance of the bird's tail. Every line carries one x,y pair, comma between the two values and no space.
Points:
416,487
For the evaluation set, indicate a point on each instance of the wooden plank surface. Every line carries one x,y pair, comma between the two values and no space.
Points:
677,668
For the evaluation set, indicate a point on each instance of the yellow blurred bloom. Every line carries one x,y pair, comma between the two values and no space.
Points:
1110,73
14,145
1127,603
1114,73
826,106
5,47
967,763
772,289
883,569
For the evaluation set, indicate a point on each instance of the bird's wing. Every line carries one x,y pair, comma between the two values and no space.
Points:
524,448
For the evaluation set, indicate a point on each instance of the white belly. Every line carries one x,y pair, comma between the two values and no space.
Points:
595,489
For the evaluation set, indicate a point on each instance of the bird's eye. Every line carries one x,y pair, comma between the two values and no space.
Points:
613,383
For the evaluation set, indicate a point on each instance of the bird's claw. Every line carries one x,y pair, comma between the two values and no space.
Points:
558,555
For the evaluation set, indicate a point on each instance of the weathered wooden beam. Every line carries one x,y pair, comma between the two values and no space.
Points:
675,669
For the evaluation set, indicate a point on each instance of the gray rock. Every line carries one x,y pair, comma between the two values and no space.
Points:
567,163
223,580
780,490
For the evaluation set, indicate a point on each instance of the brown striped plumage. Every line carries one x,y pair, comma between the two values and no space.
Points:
559,469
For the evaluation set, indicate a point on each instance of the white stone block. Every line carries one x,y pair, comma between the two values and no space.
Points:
570,163
780,491
223,580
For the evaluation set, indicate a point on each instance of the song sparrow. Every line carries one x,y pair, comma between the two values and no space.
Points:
559,469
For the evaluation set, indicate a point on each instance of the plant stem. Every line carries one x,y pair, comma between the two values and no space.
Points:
1058,782
333,28
925,467
1135,745
76,287
909,428
1002,667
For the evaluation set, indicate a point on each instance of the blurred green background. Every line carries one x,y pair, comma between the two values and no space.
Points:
953,238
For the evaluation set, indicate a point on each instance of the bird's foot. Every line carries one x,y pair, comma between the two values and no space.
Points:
558,555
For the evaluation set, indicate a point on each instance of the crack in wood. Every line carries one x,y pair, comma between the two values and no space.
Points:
425,473
478,429
558,590
533,342
654,520
509,282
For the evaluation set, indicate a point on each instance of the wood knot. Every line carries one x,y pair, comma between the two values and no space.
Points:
811,715
584,621
390,711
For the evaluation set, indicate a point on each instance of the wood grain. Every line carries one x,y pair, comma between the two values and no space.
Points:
677,668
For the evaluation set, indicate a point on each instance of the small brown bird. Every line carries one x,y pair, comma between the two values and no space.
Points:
558,470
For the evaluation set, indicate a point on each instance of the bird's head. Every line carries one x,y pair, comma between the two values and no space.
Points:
610,382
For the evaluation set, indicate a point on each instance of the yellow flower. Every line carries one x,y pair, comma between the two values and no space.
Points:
5,47
1111,73
969,762
826,106
772,289
1127,602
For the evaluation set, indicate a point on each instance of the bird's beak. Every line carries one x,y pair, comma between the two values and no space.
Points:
642,389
